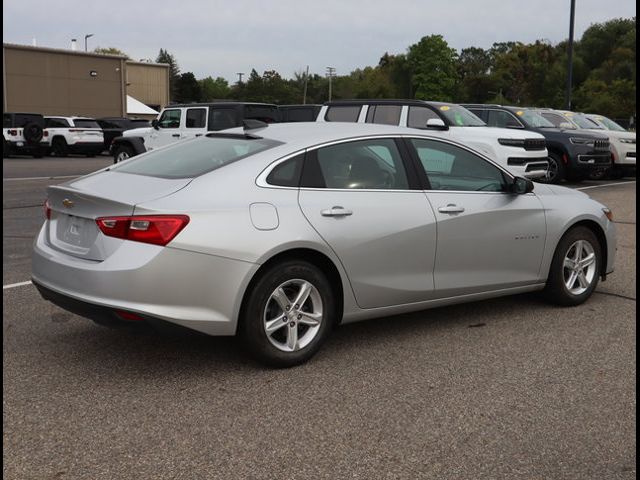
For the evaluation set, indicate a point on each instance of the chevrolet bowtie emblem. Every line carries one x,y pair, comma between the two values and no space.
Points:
67,203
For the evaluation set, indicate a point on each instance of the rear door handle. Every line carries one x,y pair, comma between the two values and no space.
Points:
451,208
336,211
176,135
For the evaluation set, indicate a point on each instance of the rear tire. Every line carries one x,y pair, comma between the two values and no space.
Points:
296,331
575,269
59,147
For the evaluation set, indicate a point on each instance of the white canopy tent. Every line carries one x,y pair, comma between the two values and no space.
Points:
136,107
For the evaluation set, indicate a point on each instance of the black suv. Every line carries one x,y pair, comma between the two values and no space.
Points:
573,155
22,134
113,127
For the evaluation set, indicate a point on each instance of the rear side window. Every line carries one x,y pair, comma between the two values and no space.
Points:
343,114
384,114
6,121
195,157
23,119
86,123
287,174
57,123
196,117
264,113
222,118
364,164
418,117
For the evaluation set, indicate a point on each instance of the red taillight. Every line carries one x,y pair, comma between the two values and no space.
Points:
154,229
565,159
45,133
47,209
613,157
130,316
13,132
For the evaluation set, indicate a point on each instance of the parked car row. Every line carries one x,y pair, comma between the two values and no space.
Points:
38,135
541,144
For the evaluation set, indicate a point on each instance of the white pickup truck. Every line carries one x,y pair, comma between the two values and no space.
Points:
524,153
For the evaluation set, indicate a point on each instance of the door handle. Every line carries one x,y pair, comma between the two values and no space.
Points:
336,211
176,135
451,208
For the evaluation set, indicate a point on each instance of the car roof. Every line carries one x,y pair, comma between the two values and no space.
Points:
221,103
312,133
385,101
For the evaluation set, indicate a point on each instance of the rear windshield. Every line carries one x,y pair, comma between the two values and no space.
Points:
196,157
85,123
460,117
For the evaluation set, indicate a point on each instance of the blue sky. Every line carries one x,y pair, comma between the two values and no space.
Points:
221,38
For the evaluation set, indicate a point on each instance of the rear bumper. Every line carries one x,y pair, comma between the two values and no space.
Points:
193,290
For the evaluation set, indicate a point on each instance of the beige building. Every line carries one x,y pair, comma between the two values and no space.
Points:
68,82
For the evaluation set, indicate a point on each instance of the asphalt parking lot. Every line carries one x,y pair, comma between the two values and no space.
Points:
502,389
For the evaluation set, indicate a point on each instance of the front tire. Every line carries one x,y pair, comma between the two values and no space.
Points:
556,170
288,314
122,153
575,268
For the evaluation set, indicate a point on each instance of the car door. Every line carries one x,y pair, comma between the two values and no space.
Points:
357,196
195,122
169,129
488,238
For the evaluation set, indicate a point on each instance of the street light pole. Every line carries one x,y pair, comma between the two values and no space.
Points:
570,55
240,74
331,72
89,35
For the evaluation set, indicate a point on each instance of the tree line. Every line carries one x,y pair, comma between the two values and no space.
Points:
534,74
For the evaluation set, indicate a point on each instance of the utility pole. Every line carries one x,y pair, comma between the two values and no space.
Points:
240,74
331,72
306,79
88,35
570,62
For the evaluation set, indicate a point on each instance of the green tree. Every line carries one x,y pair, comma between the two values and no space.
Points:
174,71
211,89
433,67
187,88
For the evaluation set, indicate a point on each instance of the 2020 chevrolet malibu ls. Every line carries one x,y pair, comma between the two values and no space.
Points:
279,233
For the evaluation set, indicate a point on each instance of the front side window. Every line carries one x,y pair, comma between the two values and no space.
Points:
501,119
419,116
449,167
196,117
339,113
384,114
170,119
364,164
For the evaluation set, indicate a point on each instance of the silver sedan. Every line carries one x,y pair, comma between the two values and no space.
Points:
279,233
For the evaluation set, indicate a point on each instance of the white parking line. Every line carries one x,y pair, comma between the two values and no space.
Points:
606,185
38,178
16,285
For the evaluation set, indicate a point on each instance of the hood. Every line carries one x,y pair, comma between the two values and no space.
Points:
138,132
498,132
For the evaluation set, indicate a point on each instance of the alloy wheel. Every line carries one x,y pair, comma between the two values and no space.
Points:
579,267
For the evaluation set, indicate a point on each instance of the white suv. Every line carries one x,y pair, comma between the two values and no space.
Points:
73,135
524,153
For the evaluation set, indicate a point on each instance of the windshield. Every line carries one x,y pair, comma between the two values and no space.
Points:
584,122
195,157
534,119
610,124
460,117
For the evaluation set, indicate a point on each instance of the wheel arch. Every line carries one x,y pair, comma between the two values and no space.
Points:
135,143
598,231
314,257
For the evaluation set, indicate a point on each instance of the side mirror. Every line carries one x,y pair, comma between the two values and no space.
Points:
520,186
436,124
155,124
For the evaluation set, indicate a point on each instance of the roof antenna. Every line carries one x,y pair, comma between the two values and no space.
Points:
250,124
